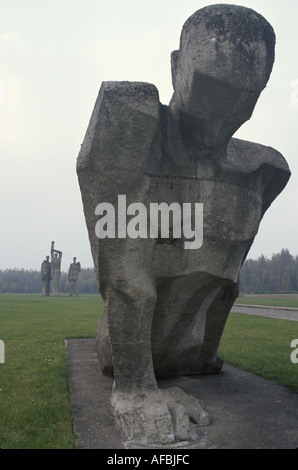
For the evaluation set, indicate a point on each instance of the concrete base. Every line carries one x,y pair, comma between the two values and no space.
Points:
247,411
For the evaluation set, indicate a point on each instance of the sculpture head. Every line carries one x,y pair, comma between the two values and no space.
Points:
224,61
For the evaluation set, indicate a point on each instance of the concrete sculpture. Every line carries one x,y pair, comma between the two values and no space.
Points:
46,277
73,277
166,303
56,257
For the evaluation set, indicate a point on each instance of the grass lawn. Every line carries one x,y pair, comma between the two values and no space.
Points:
35,410
273,300
262,346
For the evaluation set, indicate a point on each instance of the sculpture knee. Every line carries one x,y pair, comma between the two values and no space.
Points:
139,293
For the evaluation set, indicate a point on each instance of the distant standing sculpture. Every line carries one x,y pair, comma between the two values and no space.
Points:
166,306
46,276
56,257
73,277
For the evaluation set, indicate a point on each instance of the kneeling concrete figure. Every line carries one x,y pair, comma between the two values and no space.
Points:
166,306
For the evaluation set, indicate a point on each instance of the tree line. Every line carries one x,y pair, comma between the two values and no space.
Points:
279,274
21,281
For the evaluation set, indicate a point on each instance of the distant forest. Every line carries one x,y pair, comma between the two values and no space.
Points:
20,281
279,274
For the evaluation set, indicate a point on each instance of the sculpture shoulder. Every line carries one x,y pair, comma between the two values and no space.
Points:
248,157
263,163
141,96
122,125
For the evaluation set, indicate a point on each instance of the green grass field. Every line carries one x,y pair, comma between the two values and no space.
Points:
35,409
262,346
276,300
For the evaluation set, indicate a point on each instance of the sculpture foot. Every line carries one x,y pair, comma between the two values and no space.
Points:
212,367
159,418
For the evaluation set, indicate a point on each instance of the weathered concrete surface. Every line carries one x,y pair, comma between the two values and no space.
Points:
248,412
166,306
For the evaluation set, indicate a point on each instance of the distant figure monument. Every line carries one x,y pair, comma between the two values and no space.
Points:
166,305
73,277
46,277
56,257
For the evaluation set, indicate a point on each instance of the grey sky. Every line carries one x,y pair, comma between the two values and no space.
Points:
54,54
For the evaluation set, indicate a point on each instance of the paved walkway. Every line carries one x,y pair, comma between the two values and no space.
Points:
273,312
247,411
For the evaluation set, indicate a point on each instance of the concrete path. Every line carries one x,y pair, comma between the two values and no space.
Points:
247,411
273,312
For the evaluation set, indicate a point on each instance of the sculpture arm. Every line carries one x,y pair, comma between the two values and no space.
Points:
265,163
59,253
117,147
117,144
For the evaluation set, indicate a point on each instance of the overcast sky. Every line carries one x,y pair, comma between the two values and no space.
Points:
54,54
